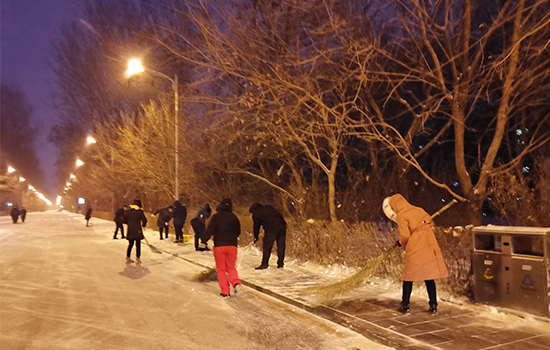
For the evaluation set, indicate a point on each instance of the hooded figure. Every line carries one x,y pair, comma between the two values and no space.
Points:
199,226
135,219
226,228
14,213
119,219
163,220
179,215
275,230
423,259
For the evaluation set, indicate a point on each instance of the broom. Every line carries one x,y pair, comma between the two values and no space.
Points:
346,285
153,248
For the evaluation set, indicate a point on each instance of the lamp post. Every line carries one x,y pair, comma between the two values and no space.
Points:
134,67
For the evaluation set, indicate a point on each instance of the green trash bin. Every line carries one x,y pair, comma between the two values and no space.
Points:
511,267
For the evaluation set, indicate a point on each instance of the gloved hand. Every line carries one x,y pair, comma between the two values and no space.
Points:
397,244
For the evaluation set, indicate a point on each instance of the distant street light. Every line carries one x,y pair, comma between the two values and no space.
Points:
79,162
90,139
134,67
72,176
10,169
68,184
21,179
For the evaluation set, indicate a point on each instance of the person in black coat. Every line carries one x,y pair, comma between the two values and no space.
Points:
23,214
119,219
226,228
14,213
163,220
179,215
275,230
88,215
199,226
136,220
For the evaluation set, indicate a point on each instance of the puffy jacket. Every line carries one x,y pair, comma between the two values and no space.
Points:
135,219
179,214
203,214
224,226
165,215
268,217
119,215
423,259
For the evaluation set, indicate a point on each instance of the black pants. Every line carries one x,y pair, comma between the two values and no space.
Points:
269,239
120,227
430,286
165,229
131,244
200,229
14,218
179,232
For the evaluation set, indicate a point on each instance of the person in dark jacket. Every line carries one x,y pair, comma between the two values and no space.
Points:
119,219
179,215
163,220
88,215
199,226
14,213
226,228
275,230
23,214
135,219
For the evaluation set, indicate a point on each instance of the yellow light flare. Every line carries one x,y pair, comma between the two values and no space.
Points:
21,179
10,169
72,176
79,162
134,66
90,140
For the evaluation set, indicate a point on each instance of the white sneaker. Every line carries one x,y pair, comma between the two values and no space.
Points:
138,261
129,261
238,290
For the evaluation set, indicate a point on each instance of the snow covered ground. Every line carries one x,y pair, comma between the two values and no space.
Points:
67,286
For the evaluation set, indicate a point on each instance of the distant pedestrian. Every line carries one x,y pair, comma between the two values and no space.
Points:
136,220
88,215
119,219
423,259
199,226
14,214
226,228
275,230
163,220
179,215
23,214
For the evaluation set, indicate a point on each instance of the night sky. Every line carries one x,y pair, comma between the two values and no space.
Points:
28,29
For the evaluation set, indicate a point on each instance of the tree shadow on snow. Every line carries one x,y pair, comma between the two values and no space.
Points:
134,271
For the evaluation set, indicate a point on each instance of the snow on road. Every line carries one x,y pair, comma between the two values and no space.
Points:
66,286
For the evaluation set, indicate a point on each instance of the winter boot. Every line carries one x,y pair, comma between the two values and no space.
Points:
404,309
138,261
238,290
433,310
129,261
225,295
262,267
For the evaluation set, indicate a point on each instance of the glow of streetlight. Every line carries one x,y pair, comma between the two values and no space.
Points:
68,184
90,139
72,176
79,162
134,66
21,179
31,187
10,169
66,188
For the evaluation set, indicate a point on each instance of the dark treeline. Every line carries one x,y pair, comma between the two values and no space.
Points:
321,107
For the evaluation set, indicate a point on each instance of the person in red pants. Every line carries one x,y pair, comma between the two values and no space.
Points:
226,228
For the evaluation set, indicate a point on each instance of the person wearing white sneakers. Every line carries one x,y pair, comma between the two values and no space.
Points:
136,220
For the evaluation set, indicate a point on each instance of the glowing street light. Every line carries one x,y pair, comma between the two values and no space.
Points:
68,184
72,176
79,162
90,140
21,179
134,67
10,169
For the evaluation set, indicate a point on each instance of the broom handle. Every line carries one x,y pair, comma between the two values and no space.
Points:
453,202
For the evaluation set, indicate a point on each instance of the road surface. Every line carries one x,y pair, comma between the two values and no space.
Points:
66,286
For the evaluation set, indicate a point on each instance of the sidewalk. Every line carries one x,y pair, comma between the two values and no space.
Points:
370,310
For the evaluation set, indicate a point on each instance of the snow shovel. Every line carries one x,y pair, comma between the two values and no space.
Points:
153,248
348,284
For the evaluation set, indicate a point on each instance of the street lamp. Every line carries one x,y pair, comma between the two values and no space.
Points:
79,162
134,67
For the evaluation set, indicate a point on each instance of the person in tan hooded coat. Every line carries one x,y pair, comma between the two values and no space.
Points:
423,259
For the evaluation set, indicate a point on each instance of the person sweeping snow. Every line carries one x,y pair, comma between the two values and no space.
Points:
423,259
226,228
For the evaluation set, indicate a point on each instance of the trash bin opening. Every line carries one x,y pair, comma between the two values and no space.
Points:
489,242
528,245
